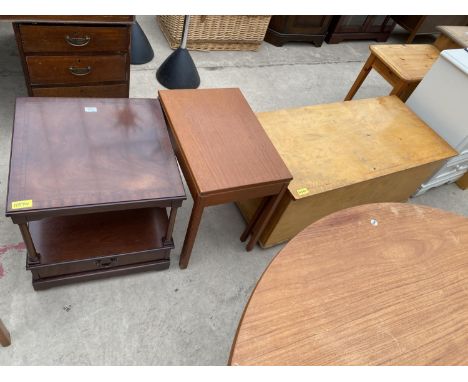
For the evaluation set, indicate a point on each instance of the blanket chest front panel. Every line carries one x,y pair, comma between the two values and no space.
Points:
293,215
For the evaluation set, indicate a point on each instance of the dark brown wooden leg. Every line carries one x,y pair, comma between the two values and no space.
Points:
254,219
361,77
5,339
170,226
191,234
411,36
265,216
33,256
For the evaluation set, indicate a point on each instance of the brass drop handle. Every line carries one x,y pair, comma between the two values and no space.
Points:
77,41
79,71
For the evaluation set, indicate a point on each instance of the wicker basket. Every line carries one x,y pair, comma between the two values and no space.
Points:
216,32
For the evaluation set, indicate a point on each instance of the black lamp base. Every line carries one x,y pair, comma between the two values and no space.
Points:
141,50
178,71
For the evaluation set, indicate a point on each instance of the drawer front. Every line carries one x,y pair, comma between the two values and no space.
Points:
76,69
101,91
103,264
73,39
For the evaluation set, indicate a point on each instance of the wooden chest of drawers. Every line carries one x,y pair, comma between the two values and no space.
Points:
76,57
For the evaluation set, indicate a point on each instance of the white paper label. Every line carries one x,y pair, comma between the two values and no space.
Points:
90,109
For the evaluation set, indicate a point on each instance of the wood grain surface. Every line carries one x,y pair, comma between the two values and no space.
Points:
64,157
335,145
409,62
221,140
378,284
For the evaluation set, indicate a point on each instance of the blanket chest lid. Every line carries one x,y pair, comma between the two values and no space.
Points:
335,145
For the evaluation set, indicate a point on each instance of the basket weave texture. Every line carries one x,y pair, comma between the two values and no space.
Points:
216,32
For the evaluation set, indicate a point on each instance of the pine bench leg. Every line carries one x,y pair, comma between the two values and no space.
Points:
361,77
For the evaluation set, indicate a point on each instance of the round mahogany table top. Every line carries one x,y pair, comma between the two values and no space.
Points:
378,284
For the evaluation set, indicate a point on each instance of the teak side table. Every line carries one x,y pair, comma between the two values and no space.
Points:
376,284
225,156
89,183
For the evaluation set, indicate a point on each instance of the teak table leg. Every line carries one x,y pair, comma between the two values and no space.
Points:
170,226
253,220
264,217
361,77
191,234
33,256
5,339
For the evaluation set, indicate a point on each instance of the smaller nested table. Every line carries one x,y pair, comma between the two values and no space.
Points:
378,284
90,180
225,156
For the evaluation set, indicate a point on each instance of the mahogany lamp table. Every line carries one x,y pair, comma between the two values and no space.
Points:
225,156
90,180
377,284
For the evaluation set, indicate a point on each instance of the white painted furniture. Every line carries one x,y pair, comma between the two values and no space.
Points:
441,100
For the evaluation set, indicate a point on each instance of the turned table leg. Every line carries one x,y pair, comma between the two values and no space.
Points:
170,226
254,219
191,234
33,256
361,77
5,339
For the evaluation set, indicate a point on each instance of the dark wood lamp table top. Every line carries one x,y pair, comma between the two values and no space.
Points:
224,153
377,284
110,159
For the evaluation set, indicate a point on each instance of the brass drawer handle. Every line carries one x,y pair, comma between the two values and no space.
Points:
79,71
77,41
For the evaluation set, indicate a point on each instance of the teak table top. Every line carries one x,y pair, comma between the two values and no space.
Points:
370,285
221,139
458,34
334,145
409,62
84,152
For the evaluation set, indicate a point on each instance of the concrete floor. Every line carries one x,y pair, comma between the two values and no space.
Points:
173,317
